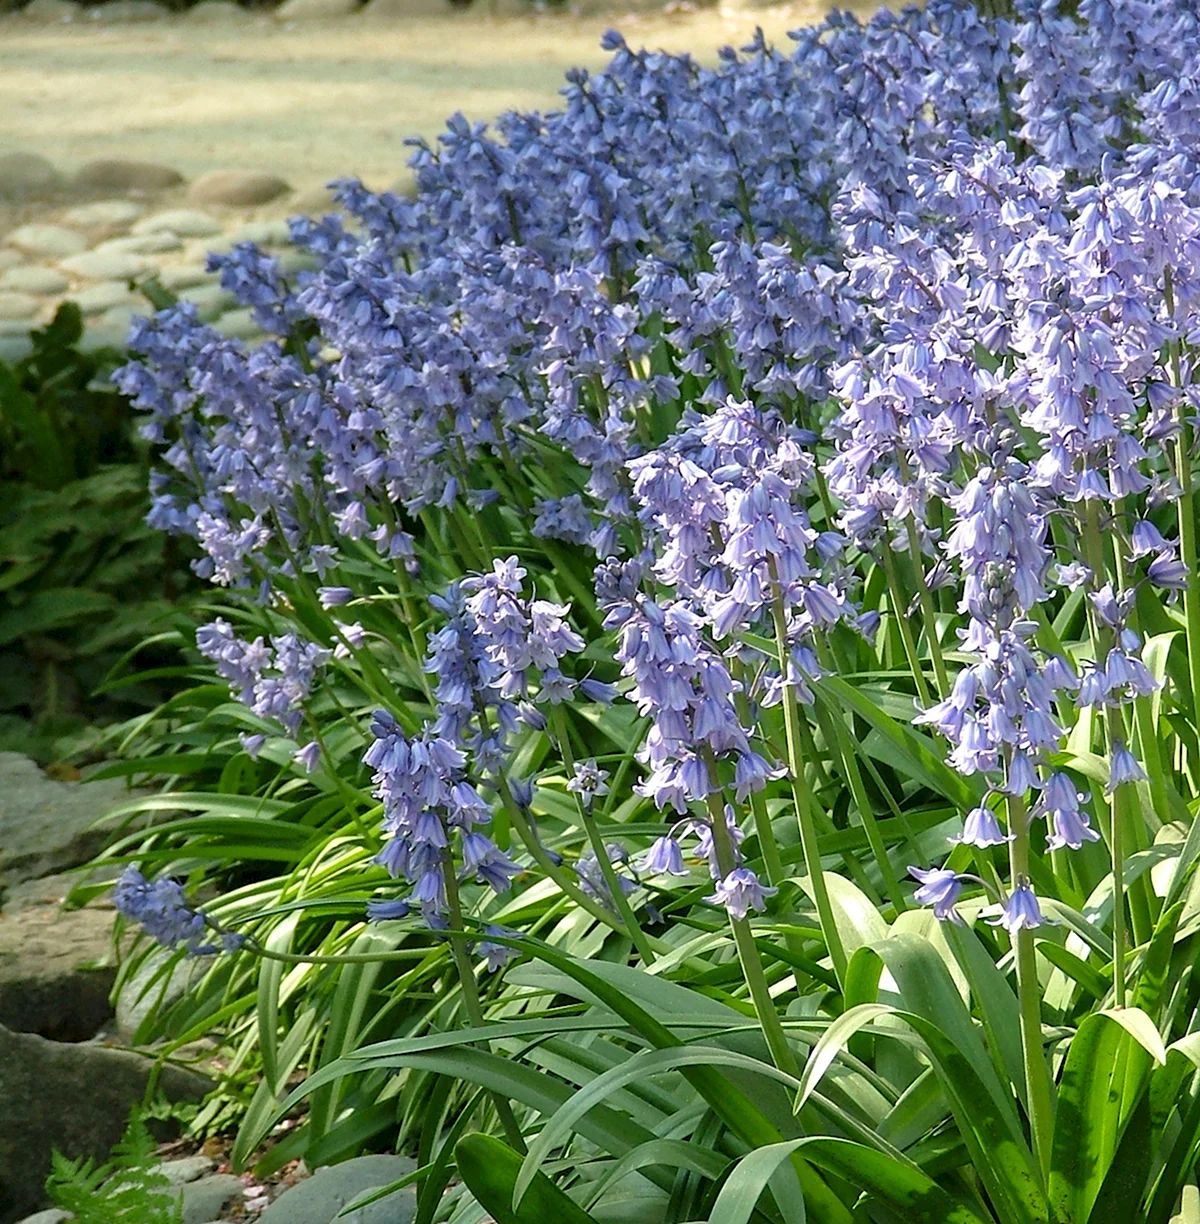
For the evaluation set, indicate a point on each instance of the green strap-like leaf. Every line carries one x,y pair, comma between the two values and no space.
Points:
489,1168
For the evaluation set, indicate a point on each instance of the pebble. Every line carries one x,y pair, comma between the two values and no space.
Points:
107,265
120,318
116,11
15,345
116,174
319,1198
96,299
142,244
217,12
31,279
52,11
183,276
238,325
27,176
293,261
237,188
302,10
103,337
52,1215
54,240
104,212
10,259
186,222
185,1169
18,306
208,1197
211,301
265,233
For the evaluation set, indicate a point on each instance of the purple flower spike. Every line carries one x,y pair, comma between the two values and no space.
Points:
940,888
1021,910
386,911
163,909
740,892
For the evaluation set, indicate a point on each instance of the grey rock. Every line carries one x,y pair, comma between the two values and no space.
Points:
15,346
120,318
10,259
28,176
319,1198
52,1215
104,212
52,12
210,300
103,338
56,971
116,12
293,261
33,279
47,826
186,1169
17,306
107,265
54,240
217,12
265,233
307,10
116,174
153,987
142,244
210,1197
96,299
186,222
183,276
237,188
238,325
73,1098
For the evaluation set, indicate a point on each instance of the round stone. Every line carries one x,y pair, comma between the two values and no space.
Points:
265,233
238,325
32,279
96,299
118,11
237,188
210,300
54,240
10,259
294,260
217,12
18,306
107,265
183,276
186,222
303,10
26,176
51,12
104,212
116,174
142,244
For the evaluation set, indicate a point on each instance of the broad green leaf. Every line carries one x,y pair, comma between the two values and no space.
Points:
489,1168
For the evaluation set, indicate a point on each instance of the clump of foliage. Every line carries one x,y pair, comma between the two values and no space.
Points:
82,577
128,1188
707,685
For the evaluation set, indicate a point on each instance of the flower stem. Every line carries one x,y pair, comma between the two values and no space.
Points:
906,636
802,797
592,829
471,1000
782,1054
1029,994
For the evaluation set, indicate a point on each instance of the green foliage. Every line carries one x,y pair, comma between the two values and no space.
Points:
128,1188
83,579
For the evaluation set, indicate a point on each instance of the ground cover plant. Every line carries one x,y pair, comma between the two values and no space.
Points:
83,579
702,721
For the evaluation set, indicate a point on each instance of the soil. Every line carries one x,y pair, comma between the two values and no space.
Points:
317,99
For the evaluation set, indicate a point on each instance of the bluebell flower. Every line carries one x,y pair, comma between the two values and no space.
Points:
740,892
386,911
496,955
162,908
940,888
1123,768
589,781
1021,910
665,857
980,828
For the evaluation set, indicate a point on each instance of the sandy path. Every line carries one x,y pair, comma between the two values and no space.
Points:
309,101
